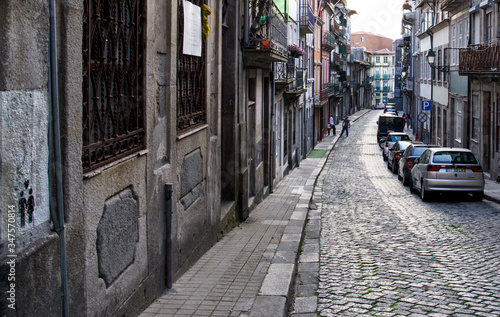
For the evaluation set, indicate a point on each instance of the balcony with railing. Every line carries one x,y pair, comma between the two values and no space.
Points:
328,43
306,18
450,5
321,99
479,60
297,87
266,39
284,73
335,27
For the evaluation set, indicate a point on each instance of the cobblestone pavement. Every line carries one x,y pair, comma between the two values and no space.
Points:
384,252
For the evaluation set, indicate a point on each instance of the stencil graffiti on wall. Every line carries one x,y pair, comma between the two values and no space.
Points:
26,204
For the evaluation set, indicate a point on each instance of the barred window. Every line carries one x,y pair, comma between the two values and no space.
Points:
113,80
191,103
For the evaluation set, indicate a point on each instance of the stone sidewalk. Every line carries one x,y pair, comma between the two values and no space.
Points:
251,271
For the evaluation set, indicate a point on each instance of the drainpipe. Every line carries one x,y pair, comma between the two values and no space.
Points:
168,219
55,144
273,133
246,17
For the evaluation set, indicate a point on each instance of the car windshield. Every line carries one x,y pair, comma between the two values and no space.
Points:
395,138
391,121
449,157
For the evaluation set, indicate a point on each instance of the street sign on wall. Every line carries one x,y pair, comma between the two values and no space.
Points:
422,117
426,105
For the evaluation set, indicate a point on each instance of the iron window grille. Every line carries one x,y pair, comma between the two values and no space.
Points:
113,80
191,103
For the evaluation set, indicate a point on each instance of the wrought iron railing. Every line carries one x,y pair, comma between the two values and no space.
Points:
335,27
267,29
285,71
306,15
331,89
323,95
479,59
113,109
328,41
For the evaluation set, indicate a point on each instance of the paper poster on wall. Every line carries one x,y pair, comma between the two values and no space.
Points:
192,29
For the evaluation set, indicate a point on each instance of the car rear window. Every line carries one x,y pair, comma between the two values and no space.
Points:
395,138
391,121
418,150
449,157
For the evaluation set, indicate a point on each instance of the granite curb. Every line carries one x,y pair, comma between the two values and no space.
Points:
277,289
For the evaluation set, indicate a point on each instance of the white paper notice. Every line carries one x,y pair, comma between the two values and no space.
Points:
192,29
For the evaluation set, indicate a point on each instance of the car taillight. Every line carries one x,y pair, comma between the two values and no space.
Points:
398,156
436,168
386,144
409,163
475,168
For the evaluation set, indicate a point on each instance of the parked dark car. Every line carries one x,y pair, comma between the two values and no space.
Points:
389,123
407,158
394,155
447,170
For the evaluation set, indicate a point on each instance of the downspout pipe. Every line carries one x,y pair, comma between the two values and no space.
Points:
273,132
247,21
56,210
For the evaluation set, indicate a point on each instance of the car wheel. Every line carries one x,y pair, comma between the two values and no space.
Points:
424,194
412,189
406,181
381,144
389,165
478,196
394,170
385,157
399,177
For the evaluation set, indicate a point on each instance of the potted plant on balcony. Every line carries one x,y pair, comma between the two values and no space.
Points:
295,50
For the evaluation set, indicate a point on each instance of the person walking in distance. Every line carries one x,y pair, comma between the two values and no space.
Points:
332,125
346,124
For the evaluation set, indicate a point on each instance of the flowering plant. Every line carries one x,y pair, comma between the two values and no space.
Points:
295,50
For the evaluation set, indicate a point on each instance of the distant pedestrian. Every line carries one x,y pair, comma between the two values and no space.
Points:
408,121
346,124
332,125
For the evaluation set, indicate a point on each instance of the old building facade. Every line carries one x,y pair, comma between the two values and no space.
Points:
460,80
134,135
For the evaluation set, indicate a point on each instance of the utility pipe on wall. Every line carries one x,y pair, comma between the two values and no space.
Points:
55,145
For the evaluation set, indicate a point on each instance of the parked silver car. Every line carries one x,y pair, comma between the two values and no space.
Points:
392,137
447,170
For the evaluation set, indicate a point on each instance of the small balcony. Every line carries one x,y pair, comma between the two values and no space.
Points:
450,5
306,18
335,27
480,60
284,74
267,34
331,89
328,43
322,99
297,87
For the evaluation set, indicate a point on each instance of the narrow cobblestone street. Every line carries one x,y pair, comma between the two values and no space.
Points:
384,252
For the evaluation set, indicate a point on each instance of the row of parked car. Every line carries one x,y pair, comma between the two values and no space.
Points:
431,169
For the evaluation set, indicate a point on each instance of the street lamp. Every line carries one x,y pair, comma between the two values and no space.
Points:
431,59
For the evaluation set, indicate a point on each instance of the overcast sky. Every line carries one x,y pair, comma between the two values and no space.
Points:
377,16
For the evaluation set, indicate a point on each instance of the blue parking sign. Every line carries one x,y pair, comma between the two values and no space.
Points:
426,105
